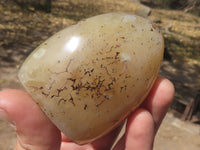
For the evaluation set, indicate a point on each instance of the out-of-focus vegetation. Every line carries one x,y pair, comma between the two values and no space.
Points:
24,25
43,5
192,6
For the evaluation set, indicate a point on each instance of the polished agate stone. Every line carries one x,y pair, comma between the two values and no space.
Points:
88,77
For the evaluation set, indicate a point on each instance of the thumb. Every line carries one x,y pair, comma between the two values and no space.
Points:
34,129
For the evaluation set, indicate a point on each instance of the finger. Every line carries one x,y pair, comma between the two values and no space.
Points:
159,99
139,133
34,129
107,141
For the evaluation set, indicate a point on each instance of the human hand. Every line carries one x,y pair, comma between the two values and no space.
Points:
36,132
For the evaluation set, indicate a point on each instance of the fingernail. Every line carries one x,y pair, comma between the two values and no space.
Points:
4,116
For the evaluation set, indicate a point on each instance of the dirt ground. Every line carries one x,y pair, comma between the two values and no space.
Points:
22,31
175,134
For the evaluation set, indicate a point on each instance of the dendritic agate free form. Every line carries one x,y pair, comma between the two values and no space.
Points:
88,77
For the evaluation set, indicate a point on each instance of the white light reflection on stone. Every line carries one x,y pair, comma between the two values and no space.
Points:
72,44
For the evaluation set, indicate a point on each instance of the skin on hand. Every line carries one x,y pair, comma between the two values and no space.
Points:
36,132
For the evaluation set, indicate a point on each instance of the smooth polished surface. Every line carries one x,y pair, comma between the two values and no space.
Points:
88,77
